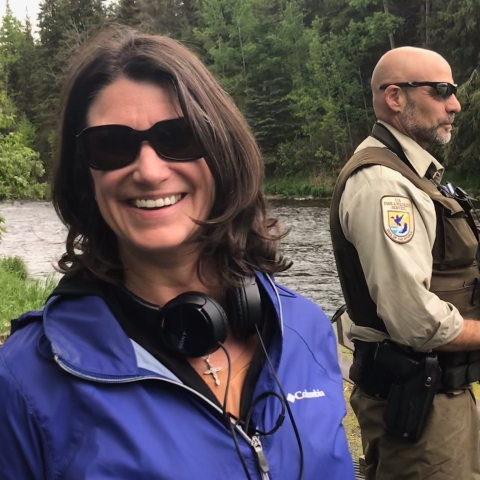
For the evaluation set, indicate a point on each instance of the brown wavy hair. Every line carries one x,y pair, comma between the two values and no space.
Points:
239,235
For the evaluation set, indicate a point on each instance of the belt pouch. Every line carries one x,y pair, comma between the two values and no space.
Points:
368,374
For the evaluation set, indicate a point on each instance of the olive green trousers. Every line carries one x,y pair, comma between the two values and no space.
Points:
447,450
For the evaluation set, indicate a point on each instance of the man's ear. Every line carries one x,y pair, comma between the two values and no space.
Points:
395,98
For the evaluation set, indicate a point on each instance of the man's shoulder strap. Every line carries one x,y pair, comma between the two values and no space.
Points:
382,134
387,158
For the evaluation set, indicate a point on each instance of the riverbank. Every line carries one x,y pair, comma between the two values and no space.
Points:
321,185
300,187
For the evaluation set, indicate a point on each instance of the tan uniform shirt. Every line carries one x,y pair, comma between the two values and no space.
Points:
397,274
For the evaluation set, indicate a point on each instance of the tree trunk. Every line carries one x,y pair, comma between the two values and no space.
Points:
243,55
428,12
367,123
390,34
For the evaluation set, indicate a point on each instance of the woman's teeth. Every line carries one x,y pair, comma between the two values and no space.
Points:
159,202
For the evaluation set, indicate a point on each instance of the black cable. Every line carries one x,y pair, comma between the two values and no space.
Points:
226,416
280,418
290,414
237,446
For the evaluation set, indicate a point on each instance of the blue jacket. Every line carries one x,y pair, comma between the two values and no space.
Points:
79,400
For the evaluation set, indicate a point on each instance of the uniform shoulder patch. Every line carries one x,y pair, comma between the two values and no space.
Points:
398,221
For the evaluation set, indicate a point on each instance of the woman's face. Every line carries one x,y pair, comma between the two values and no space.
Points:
129,197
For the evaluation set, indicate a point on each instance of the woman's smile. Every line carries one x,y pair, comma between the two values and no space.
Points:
156,203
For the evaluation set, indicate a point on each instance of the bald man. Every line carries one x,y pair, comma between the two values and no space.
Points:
405,247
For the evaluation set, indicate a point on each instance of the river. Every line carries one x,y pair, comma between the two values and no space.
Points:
35,233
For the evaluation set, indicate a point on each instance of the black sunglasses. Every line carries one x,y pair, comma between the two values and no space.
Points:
109,147
442,89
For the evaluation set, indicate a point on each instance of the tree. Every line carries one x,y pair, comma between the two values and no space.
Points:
463,151
253,47
127,12
21,170
11,39
175,18
298,69
64,25
18,61
454,28
331,96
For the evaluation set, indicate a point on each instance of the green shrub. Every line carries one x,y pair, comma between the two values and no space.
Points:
20,169
14,265
19,294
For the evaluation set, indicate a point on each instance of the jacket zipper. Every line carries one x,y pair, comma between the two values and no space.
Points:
254,441
262,459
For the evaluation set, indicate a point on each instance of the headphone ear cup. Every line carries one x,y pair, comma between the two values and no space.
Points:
245,308
192,324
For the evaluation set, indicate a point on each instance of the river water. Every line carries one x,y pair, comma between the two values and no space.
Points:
35,233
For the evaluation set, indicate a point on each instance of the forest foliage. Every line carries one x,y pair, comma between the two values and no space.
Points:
298,69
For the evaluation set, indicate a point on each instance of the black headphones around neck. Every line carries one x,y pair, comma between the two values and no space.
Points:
193,323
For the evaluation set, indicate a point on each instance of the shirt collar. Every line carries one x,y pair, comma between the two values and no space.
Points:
420,159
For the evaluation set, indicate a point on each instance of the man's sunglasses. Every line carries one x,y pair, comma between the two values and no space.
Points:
109,147
442,89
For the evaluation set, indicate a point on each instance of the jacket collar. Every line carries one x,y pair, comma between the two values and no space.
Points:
86,337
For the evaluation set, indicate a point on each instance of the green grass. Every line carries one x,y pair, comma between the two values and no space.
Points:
302,186
321,185
19,293
476,390
351,426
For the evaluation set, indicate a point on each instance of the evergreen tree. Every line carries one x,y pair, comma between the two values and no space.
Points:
298,69
26,85
64,25
245,41
175,18
11,39
454,28
128,12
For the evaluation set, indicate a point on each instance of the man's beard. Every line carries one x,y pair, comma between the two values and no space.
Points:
430,135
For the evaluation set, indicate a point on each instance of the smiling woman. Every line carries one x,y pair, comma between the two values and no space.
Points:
168,333
152,203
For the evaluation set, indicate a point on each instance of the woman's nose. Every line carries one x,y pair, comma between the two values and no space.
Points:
149,167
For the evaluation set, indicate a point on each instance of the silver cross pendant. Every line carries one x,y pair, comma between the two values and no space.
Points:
212,371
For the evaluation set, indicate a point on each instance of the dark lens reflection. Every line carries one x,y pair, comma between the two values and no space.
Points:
445,90
111,147
175,140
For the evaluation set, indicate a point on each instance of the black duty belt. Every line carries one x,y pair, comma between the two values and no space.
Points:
375,378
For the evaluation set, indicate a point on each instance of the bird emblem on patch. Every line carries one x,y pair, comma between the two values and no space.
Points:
398,218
